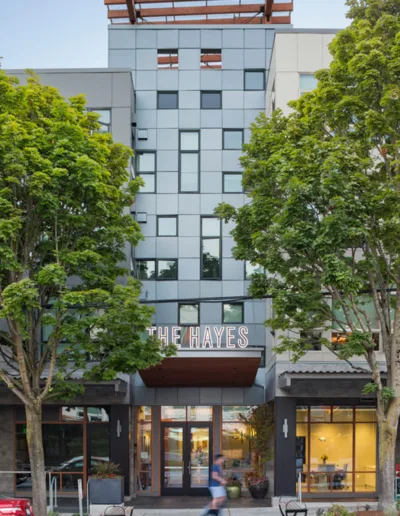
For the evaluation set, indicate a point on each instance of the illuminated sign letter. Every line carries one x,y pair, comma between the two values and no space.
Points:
163,335
219,332
207,339
244,341
152,330
230,337
194,336
176,336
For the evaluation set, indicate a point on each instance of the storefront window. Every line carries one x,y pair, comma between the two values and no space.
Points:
336,450
173,413
235,441
144,449
200,413
65,453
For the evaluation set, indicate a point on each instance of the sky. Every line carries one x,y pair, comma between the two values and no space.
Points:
73,33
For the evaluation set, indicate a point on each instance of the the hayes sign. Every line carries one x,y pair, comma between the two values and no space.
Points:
228,337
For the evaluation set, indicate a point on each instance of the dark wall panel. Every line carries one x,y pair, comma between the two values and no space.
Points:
285,447
120,445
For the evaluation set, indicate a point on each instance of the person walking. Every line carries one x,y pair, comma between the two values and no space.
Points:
216,486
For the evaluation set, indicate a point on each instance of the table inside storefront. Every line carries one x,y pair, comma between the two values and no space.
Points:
324,476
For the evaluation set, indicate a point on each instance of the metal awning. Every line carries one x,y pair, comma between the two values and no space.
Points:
199,368
324,372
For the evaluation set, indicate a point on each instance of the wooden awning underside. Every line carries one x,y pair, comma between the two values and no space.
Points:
209,12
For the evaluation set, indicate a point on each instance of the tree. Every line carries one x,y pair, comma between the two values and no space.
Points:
324,217
63,191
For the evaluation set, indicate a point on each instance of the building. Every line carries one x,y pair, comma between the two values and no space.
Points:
183,89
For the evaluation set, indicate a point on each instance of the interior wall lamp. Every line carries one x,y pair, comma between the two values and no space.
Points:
119,428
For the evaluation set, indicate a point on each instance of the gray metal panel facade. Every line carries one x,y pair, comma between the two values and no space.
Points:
242,48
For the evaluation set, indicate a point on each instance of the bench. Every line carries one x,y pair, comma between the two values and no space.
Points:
292,507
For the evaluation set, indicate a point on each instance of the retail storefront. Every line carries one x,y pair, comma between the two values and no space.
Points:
336,449
175,445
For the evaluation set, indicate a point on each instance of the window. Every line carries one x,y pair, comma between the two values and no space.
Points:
168,59
338,338
144,449
211,100
307,82
167,269
146,168
167,100
254,80
167,226
211,58
232,182
146,269
65,454
189,314
313,339
210,248
233,139
336,448
183,413
232,313
235,443
157,269
251,269
104,119
189,161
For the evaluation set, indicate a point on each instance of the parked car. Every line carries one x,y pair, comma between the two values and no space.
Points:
15,507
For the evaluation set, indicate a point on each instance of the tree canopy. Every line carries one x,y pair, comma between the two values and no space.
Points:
324,216
64,231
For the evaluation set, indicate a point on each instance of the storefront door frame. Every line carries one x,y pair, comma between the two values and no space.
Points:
186,488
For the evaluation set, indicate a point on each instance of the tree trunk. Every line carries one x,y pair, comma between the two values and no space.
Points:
36,458
387,452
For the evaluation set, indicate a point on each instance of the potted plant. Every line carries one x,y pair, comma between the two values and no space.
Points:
259,433
106,484
257,484
233,488
324,458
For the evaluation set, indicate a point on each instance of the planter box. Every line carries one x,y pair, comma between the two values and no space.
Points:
233,492
259,491
369,513
106,491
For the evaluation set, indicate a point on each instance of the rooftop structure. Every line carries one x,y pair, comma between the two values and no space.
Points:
161,12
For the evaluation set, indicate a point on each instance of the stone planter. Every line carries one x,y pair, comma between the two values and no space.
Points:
233,492
259,491
106,491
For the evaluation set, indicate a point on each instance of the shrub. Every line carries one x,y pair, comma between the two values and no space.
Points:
337,510
106,470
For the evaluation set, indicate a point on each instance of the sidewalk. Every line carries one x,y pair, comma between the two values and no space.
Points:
244,511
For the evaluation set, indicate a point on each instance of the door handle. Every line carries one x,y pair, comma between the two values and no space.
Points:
189,467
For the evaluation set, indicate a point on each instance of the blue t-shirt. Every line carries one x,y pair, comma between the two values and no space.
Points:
215,469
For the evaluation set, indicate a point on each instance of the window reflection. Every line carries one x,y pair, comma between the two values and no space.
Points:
144,449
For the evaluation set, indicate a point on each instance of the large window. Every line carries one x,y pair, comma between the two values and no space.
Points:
189,161
144,449
189,314
65,451
146,169
336,449
235,442
157,269
307,82
232,313
232,139
183,413
210,248
254,80
211,100
167,100
232,182
104,120
211,58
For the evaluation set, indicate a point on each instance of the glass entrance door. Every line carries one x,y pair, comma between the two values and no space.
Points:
185,458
